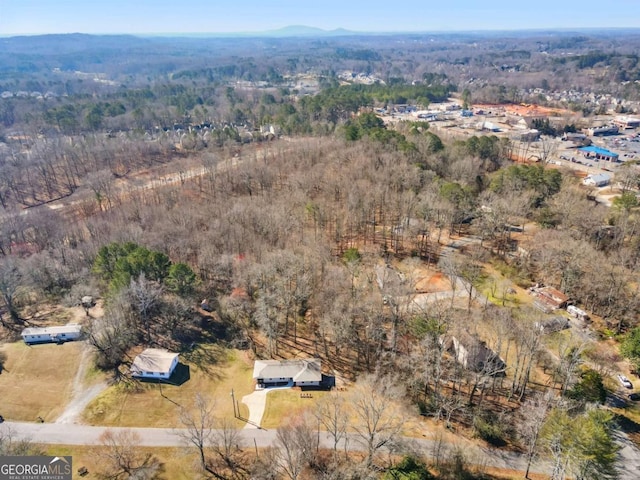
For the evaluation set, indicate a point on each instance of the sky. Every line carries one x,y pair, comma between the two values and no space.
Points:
226,16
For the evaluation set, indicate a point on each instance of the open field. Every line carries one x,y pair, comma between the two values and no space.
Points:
181,463
282,404
213,374
38,381
177,463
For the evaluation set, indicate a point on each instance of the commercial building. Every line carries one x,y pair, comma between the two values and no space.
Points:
599,153
626,122
603,131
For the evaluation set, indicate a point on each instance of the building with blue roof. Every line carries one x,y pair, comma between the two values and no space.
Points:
599,153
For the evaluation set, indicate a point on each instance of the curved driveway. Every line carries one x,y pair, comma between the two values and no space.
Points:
257,403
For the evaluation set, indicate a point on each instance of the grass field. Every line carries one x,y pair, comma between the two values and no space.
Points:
283,404
37,380
213,373
181,463
177,463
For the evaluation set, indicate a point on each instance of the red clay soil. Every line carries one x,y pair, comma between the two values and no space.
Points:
525,110
432,282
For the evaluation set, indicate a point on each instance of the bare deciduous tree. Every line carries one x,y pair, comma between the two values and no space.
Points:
332,414
533,415
297,444
198,427
10,282
121,457
216,440
377,421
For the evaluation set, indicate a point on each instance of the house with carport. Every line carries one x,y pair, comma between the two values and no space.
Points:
298,373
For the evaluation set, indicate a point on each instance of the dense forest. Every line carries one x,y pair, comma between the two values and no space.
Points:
266,184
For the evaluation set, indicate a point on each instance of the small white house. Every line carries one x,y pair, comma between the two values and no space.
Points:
301,373
597,180
56,334
154,363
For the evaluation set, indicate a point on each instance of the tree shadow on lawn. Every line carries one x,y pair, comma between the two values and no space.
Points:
206,357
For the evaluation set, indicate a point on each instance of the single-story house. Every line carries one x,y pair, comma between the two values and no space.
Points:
597,180
474,354
548,299
300,373
56,334
553,324
154,363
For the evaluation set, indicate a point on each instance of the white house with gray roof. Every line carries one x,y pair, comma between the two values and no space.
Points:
154,363
55,334
300,373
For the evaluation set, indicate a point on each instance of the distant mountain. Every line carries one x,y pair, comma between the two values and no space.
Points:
305,31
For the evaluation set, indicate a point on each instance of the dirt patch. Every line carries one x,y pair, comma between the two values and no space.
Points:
433,282
525,110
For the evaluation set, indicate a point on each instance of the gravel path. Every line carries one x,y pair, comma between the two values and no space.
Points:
82,395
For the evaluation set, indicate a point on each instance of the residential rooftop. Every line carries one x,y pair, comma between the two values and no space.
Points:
53,330
301,370
153,360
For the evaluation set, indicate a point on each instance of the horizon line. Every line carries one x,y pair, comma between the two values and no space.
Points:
317,31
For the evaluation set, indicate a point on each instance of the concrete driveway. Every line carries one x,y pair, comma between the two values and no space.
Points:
257,402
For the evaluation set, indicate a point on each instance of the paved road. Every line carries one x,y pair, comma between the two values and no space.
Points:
73,434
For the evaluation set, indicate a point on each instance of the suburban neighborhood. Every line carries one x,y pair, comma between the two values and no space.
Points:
346,253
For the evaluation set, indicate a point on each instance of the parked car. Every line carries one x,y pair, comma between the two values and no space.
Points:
624,381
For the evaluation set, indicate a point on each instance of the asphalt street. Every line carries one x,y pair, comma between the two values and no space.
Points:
74,434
